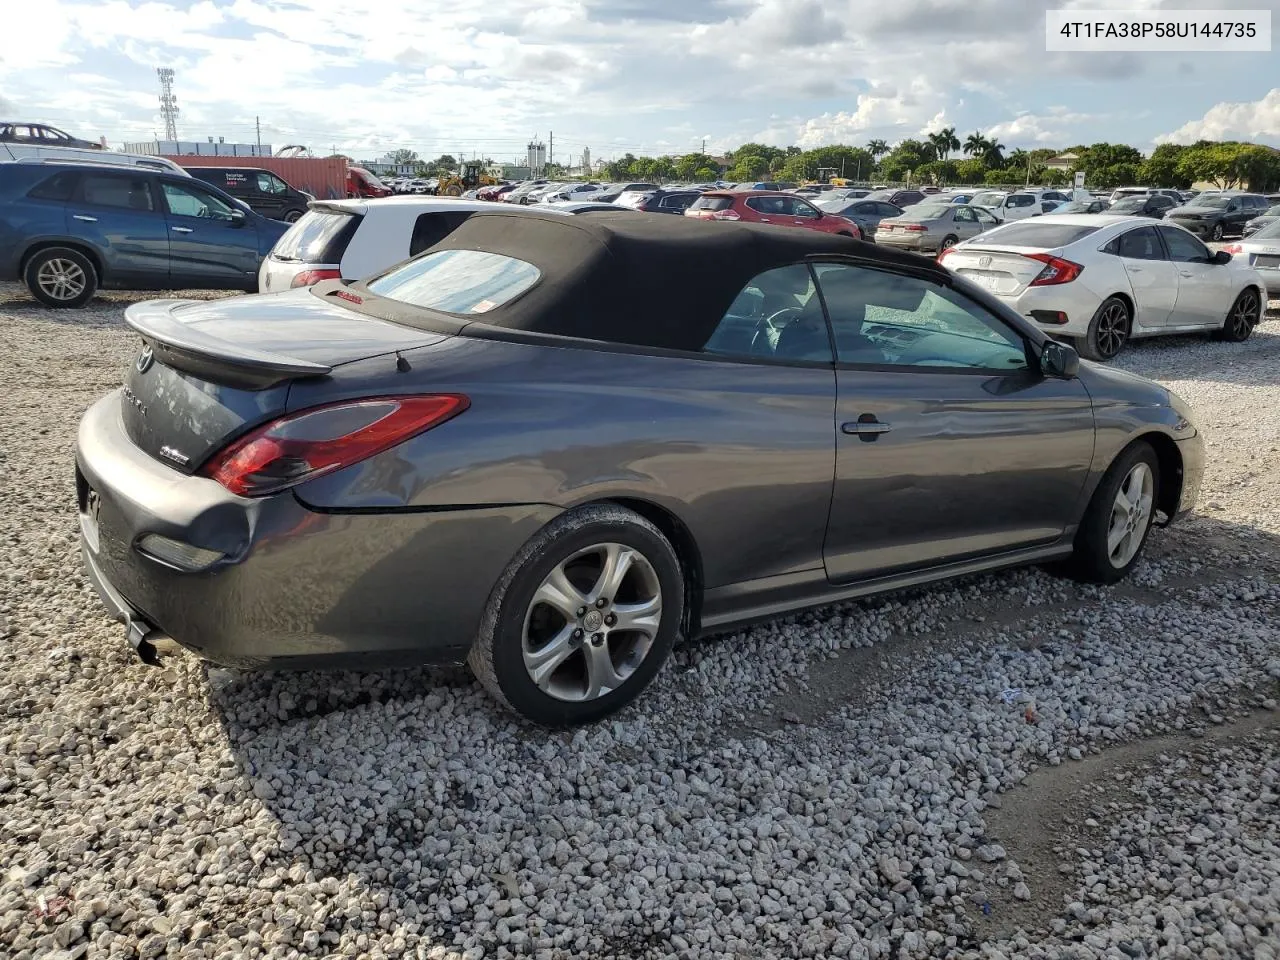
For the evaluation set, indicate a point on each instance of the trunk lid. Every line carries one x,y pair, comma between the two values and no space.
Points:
1005,272
209,371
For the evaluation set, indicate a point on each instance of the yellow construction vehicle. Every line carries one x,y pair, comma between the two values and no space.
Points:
472,177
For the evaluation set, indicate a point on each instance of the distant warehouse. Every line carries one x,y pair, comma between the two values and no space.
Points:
197,148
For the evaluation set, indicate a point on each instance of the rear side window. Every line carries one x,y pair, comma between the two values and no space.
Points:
457,281
1020,200
712,203
58,187
126,192
1032,234
430,228
318,237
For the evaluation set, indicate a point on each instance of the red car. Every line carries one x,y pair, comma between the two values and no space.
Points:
769,206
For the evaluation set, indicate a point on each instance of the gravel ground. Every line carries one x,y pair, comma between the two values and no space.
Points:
1008,766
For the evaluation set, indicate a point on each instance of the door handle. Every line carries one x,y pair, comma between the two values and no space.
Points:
80,216
765,220
1134,269
182,230
1183,273
866,427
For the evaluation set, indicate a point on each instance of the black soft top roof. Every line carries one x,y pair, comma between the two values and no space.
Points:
640,279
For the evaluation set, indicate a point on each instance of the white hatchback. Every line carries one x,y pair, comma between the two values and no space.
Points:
1102,280
353,239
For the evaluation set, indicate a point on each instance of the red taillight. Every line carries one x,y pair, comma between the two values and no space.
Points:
1056,270
311,443
307,277
1233,248
913,227
726,215
944,252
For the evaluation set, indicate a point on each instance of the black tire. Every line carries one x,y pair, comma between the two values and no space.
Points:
293,216
948,242
498,655
1108,331
1092,560
1217,232
61,277
1243,316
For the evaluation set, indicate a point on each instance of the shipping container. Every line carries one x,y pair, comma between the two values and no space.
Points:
325,178
200,148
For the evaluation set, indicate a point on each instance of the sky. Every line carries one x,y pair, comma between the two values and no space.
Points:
617,76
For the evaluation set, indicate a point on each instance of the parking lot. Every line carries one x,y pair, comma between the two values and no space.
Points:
1013,765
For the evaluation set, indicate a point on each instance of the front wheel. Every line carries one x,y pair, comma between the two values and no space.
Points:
292,216
1118,519
1241,318
1108,331
582,619
61,277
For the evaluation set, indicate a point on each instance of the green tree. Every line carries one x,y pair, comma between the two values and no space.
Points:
1161,168
748,166
687,167
975,145
403,157
944,142
971,171
877,148
705,173
995,178
994,154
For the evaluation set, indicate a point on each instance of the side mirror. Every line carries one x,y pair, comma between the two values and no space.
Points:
1220,257
1059,361
237,218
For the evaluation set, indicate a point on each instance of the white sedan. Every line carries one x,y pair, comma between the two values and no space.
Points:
1102,280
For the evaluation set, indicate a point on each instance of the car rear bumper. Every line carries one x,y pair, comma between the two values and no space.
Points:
297,588
1037,303
907,241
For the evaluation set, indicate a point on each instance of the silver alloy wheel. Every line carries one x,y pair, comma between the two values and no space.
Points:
1112,330
592,622
1130,513
1244,316
61,279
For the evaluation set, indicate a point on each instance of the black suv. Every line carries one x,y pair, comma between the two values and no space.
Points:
42,135
1212,217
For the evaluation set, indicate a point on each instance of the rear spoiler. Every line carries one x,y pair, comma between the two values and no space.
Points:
187,347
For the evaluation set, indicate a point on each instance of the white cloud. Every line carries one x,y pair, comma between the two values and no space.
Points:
1252,120
1057,126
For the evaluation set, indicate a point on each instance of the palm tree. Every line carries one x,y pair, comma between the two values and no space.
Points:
975,145
944,141
1018,158
877,149
995,153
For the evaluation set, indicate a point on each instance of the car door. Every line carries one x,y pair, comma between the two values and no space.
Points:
805,214
949,443
211,241
965,223
1204,287
1235,216
1153,280
120,215
984,219
263,195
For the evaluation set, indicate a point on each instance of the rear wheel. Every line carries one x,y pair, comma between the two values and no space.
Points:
1118,519
61,277
1108,331
451,191
1242,317
947,243
292,216
582,619
1216,232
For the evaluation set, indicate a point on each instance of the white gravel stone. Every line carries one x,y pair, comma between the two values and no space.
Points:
193,812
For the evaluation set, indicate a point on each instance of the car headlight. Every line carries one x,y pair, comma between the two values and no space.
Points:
1186,423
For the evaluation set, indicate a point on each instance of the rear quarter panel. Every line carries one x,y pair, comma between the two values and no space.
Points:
742,454
25,223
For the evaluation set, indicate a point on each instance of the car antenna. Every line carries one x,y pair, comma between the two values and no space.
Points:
402,364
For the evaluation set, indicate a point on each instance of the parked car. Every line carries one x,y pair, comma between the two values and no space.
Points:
68,230
362,183
41,134
261,190
496,192
1095,205
624,193
769,206
960,197
934,226
1103,280
1216,216
1154,205
1261,250
1271,214
354,239
452,461
899,198
867,214
1011,206
1120,193
572,191
660,201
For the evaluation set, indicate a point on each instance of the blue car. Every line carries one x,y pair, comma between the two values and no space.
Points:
70,229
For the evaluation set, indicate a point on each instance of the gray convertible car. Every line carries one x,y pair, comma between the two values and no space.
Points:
551,445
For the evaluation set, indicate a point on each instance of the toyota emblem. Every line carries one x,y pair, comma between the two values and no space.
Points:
145,359
982,262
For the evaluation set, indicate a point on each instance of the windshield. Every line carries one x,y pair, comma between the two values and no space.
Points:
712,203
1270,232
1202,199
319,236
457,281
1128,204
1030,233
927,211
1214,203
988,199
